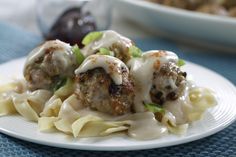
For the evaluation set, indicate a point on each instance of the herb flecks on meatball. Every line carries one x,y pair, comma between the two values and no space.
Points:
99,92
49,64
168,83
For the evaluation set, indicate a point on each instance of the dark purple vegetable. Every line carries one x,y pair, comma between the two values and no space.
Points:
72,26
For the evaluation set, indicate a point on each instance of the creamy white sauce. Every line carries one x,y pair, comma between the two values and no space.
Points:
142,70
62,51
108,38
111,65
142,126
168,117
69,109
177,107
88,111
63,58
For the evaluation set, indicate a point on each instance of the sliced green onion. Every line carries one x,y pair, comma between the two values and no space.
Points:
66,89
181,62
135,51
78,55
92,36
104,51
154,108
59,84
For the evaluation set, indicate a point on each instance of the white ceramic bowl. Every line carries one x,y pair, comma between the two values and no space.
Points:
181,23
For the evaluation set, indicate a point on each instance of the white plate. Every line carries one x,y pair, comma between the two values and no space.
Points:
215,119
182,23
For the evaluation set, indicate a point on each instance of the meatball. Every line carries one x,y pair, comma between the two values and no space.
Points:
157,78
121,52
99,92
112,41
168,83
48,64
104,84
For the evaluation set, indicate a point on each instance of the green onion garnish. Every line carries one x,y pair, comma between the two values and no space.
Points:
181,62
92,36
59,84
78,55
135,51
154,108
65,89
104,51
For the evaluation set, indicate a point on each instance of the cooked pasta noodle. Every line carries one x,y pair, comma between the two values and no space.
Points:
170,122
192,105
95,128
30,105
46,123
52,107
199,99
6,106
81,122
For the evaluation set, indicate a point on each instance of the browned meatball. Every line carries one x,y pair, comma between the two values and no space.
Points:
98,91
121,52
168,83
49,64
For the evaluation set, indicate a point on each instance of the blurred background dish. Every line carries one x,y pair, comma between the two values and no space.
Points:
215,7
180,24
71,20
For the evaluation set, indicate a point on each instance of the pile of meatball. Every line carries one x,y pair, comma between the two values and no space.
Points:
54,61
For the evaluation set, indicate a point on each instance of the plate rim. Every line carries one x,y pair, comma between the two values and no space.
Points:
77,146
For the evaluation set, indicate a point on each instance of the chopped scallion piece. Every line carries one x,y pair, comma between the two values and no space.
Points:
181,62
92,36
154,108
66,89
59,84
78,55
135,51
104,51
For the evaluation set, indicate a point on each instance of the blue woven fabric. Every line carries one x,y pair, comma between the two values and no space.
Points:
15,42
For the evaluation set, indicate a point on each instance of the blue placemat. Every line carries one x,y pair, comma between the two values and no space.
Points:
15,42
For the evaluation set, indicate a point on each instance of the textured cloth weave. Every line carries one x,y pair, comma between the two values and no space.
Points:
15,42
